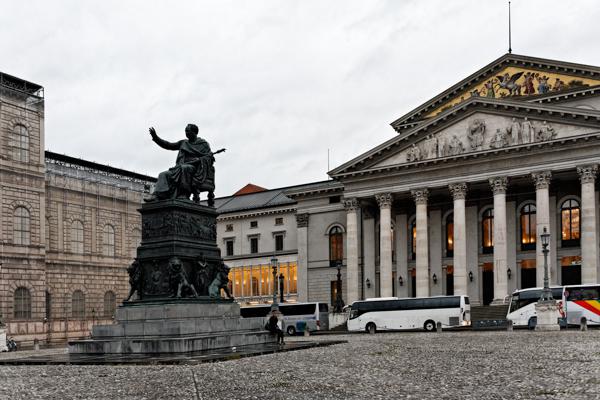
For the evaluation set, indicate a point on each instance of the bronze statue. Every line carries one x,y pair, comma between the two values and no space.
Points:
220,282
193,172
178,281
135,279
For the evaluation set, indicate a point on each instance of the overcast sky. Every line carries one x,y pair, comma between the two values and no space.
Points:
277,83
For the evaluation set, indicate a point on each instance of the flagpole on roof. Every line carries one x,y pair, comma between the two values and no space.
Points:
509,33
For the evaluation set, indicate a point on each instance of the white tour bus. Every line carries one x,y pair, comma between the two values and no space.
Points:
394,313
314,316
521,310
574,303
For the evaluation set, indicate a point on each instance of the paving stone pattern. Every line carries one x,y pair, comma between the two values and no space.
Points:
448,365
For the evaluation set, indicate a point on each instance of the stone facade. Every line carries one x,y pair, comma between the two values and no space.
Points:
67,225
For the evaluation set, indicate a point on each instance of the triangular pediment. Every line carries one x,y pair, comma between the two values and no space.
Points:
477,126
511,76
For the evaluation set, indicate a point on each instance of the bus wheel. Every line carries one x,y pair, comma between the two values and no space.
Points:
429,326
371,328
291,331
532,323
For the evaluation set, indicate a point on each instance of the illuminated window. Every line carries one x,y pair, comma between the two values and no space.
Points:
21,144
413,239
77,237
110,304
487,231
450,235
336,246
570,229
21,226
22,303
108,241
78,304
528,227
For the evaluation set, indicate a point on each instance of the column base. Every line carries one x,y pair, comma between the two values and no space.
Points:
547,316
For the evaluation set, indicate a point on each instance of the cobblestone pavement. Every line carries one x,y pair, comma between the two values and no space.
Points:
449,365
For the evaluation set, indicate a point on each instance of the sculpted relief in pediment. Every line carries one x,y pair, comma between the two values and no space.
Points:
482,132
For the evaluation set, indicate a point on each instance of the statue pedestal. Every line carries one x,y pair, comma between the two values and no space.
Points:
547,316
174,327
178,280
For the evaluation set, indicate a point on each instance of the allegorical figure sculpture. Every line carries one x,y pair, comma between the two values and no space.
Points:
178,281
193,172
220,282
135,279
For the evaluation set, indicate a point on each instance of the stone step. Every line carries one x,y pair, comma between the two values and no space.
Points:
481,313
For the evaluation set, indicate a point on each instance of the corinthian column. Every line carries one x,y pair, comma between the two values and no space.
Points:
499,185
351,206
385,244
541,180
422,261
459,192
302,222
589,244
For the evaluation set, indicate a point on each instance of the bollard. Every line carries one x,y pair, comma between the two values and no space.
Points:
509,325
438,327
583,324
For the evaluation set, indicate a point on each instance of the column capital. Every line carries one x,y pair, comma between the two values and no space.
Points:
587,173
458,190
541,179
420,195
351,205
499,184
302,220
384,200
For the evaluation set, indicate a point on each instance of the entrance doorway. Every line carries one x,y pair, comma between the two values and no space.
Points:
571,270
450,280
487,278
528,274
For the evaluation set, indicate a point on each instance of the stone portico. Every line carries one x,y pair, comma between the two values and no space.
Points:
455,203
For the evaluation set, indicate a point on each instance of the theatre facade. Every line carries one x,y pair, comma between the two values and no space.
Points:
455,202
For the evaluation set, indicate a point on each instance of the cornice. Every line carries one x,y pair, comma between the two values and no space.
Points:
234,215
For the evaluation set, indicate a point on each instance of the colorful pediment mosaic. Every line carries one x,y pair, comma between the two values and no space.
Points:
518,82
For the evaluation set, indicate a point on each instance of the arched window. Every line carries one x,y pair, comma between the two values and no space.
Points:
569,218
528,227
336,246
78,304
110,304
48,305
487,231
413,240
21,226
77,237
108,241
22,303
21,144
450,235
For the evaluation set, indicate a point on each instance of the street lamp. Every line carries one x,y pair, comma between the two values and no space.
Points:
338,306
274,306
281,300
546,293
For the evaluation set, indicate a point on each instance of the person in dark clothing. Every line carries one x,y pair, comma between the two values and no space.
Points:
275,328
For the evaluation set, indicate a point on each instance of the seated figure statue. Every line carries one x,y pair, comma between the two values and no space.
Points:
193,172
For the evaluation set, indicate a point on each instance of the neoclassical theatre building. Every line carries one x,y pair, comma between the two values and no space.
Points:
68,227
456,200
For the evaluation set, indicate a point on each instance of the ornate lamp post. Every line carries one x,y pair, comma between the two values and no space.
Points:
546,293
339,302
281,278
274,306
546,308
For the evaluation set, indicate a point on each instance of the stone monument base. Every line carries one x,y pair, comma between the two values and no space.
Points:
174,327
547,316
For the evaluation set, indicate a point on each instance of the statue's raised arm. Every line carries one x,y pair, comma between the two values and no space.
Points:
193,172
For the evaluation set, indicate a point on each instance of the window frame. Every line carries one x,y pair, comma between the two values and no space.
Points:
21,226
570,242
77,246
487,215
527,212
108,241
450,235
21,143
22,303
335,239
78,304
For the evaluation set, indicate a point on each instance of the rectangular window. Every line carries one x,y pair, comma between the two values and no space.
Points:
334,199
229,228
279,242
279,221
229,247
254,245
253,224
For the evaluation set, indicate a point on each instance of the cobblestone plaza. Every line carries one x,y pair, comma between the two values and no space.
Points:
450,365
